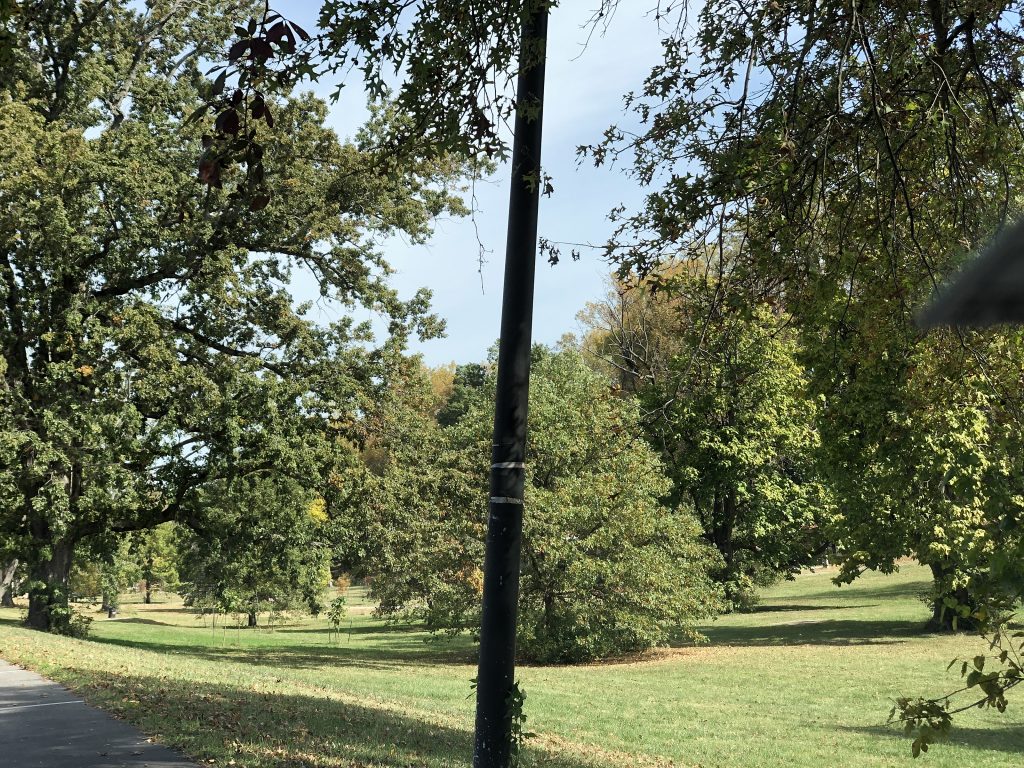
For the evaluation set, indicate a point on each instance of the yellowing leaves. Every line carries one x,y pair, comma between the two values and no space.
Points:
318,510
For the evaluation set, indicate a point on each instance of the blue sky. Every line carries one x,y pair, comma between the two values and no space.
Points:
583,97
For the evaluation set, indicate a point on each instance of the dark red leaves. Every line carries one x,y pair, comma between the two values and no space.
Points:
260,50
209,173
259,202
234,141
237,50
276,32
228,122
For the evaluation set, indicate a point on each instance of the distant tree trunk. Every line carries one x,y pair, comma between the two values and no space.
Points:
720,534
48,608
252,619
942,616
726,525
149,579
7,584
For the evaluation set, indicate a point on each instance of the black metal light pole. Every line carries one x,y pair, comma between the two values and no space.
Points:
505,521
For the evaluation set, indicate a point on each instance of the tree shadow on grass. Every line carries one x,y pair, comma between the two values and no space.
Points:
396,653
362,629
829,632
137,620
260,728
148,608
762,608
1008,737
301,628
858,591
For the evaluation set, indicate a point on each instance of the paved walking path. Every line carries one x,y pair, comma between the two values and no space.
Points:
44,726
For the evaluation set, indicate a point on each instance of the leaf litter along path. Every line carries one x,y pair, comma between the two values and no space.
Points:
43,726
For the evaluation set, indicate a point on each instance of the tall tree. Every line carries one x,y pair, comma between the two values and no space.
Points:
155,553
389,515
724,401
150,343
259,548
855,154
935,474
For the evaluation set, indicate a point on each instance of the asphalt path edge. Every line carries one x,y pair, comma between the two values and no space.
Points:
43,725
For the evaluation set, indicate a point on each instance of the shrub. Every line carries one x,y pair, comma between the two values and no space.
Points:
607,568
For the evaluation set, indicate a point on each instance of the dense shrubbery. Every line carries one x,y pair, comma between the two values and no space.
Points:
607,568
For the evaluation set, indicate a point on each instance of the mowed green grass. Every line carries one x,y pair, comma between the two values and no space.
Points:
806,680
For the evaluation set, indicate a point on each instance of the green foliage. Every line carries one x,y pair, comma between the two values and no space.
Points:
7,38
725,403
607,568
411,529
884,138
258,549
467,386
79,625
336,613
941,454
457,85
931,720
86,580
338,608
519,734
104,567
119,571
150,347
856,158
848,216
155,553
516,700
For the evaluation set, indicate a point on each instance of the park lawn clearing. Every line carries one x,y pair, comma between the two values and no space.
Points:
806,680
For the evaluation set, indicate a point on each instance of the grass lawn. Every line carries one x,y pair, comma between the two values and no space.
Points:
806,680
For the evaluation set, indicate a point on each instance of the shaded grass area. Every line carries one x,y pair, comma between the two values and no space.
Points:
806,679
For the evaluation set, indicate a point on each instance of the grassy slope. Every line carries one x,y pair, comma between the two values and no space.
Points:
807,680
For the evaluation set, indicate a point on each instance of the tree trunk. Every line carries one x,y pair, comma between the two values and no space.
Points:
149,579
252,619
7,584
943,615
724,530
48,608
723,523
